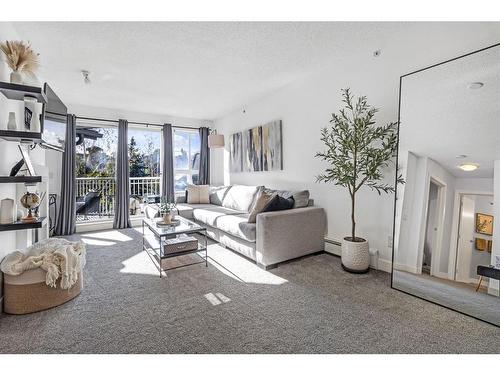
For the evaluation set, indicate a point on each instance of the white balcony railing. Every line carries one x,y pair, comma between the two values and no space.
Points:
140,187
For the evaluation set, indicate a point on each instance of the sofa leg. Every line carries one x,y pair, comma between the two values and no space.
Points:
267,268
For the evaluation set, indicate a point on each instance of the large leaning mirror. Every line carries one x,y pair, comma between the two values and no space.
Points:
447,214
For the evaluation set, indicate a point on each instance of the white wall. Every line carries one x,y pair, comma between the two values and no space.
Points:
305,106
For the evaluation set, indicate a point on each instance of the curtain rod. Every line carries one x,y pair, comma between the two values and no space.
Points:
135,122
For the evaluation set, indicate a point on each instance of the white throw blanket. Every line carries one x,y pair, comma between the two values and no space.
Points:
57,256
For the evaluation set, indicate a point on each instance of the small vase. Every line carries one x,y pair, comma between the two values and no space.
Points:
16,77
12,124
167,218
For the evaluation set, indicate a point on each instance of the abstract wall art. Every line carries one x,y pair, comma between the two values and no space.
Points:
257,149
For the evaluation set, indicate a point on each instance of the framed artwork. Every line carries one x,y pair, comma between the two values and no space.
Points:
484,224
482,244
235,152
257,149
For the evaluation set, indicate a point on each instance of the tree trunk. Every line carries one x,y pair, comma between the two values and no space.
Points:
353,222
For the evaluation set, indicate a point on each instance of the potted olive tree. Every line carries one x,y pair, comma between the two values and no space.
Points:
357,151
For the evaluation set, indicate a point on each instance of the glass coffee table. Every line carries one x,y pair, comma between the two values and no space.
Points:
155,245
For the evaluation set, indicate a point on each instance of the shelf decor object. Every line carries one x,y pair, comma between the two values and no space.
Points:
8,211
21,58
30,201
12,124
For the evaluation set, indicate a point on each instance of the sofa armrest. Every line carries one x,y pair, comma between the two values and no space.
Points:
289,234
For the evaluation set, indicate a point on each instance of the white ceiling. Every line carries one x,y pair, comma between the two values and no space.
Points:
205,70
442,118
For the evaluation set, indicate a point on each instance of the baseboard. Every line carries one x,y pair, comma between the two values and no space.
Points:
333,246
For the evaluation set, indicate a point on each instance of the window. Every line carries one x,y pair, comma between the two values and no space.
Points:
95,170
186,158
144,161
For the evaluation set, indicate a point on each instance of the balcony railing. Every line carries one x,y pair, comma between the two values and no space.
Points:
140,187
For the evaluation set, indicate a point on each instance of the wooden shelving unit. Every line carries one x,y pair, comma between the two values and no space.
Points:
15,91
19,225
18,136
20,179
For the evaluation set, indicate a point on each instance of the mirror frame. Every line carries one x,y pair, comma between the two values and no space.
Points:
397,171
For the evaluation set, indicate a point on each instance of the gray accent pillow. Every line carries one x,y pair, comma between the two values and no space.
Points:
217,194
301,198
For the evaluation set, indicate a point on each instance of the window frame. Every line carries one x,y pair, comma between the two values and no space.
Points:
189,171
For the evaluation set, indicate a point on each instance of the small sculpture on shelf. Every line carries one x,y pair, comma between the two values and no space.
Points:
30,201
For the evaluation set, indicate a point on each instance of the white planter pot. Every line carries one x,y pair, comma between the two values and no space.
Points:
355,256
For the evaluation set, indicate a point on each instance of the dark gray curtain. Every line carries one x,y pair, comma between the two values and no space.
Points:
122,190
66,219
167,173
204,171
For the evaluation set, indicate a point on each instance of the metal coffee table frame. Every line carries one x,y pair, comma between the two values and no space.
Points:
157,255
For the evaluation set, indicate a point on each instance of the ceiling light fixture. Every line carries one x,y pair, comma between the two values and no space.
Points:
475,85
377,53
468,167
86,79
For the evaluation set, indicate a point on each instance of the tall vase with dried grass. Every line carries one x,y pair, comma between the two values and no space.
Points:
21,58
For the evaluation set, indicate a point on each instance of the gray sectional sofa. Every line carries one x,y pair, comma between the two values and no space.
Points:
276,236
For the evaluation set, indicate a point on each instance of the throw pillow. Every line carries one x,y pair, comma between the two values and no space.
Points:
260,204
280,203
198,194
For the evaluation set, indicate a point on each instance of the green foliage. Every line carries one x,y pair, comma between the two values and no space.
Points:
166,206
137,166
357,150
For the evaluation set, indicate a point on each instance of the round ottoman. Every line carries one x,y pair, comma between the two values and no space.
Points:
29,293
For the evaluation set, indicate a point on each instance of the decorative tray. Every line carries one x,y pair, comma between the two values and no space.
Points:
174,223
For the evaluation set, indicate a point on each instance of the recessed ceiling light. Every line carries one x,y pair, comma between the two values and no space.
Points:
475,85
468,167
461,156
377,53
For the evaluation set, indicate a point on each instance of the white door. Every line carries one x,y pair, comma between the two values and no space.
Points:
465,240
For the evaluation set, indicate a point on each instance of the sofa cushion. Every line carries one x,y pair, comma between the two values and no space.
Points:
197,194
238,226
211,214
262,201
279,204
217,194
186,210
300,197
240,197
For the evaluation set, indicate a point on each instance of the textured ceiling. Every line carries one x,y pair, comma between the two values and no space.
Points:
205,70
442,118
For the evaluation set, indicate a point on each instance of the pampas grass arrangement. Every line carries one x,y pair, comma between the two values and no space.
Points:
20,57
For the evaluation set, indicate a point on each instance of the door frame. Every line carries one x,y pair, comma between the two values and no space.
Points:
455,226
438,238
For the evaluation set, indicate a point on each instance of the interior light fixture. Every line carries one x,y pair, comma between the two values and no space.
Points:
468,167
475,85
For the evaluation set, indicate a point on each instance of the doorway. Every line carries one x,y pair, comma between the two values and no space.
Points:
431,227
472,245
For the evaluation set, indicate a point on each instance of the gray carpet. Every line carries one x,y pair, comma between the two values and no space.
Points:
459,296
307,306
